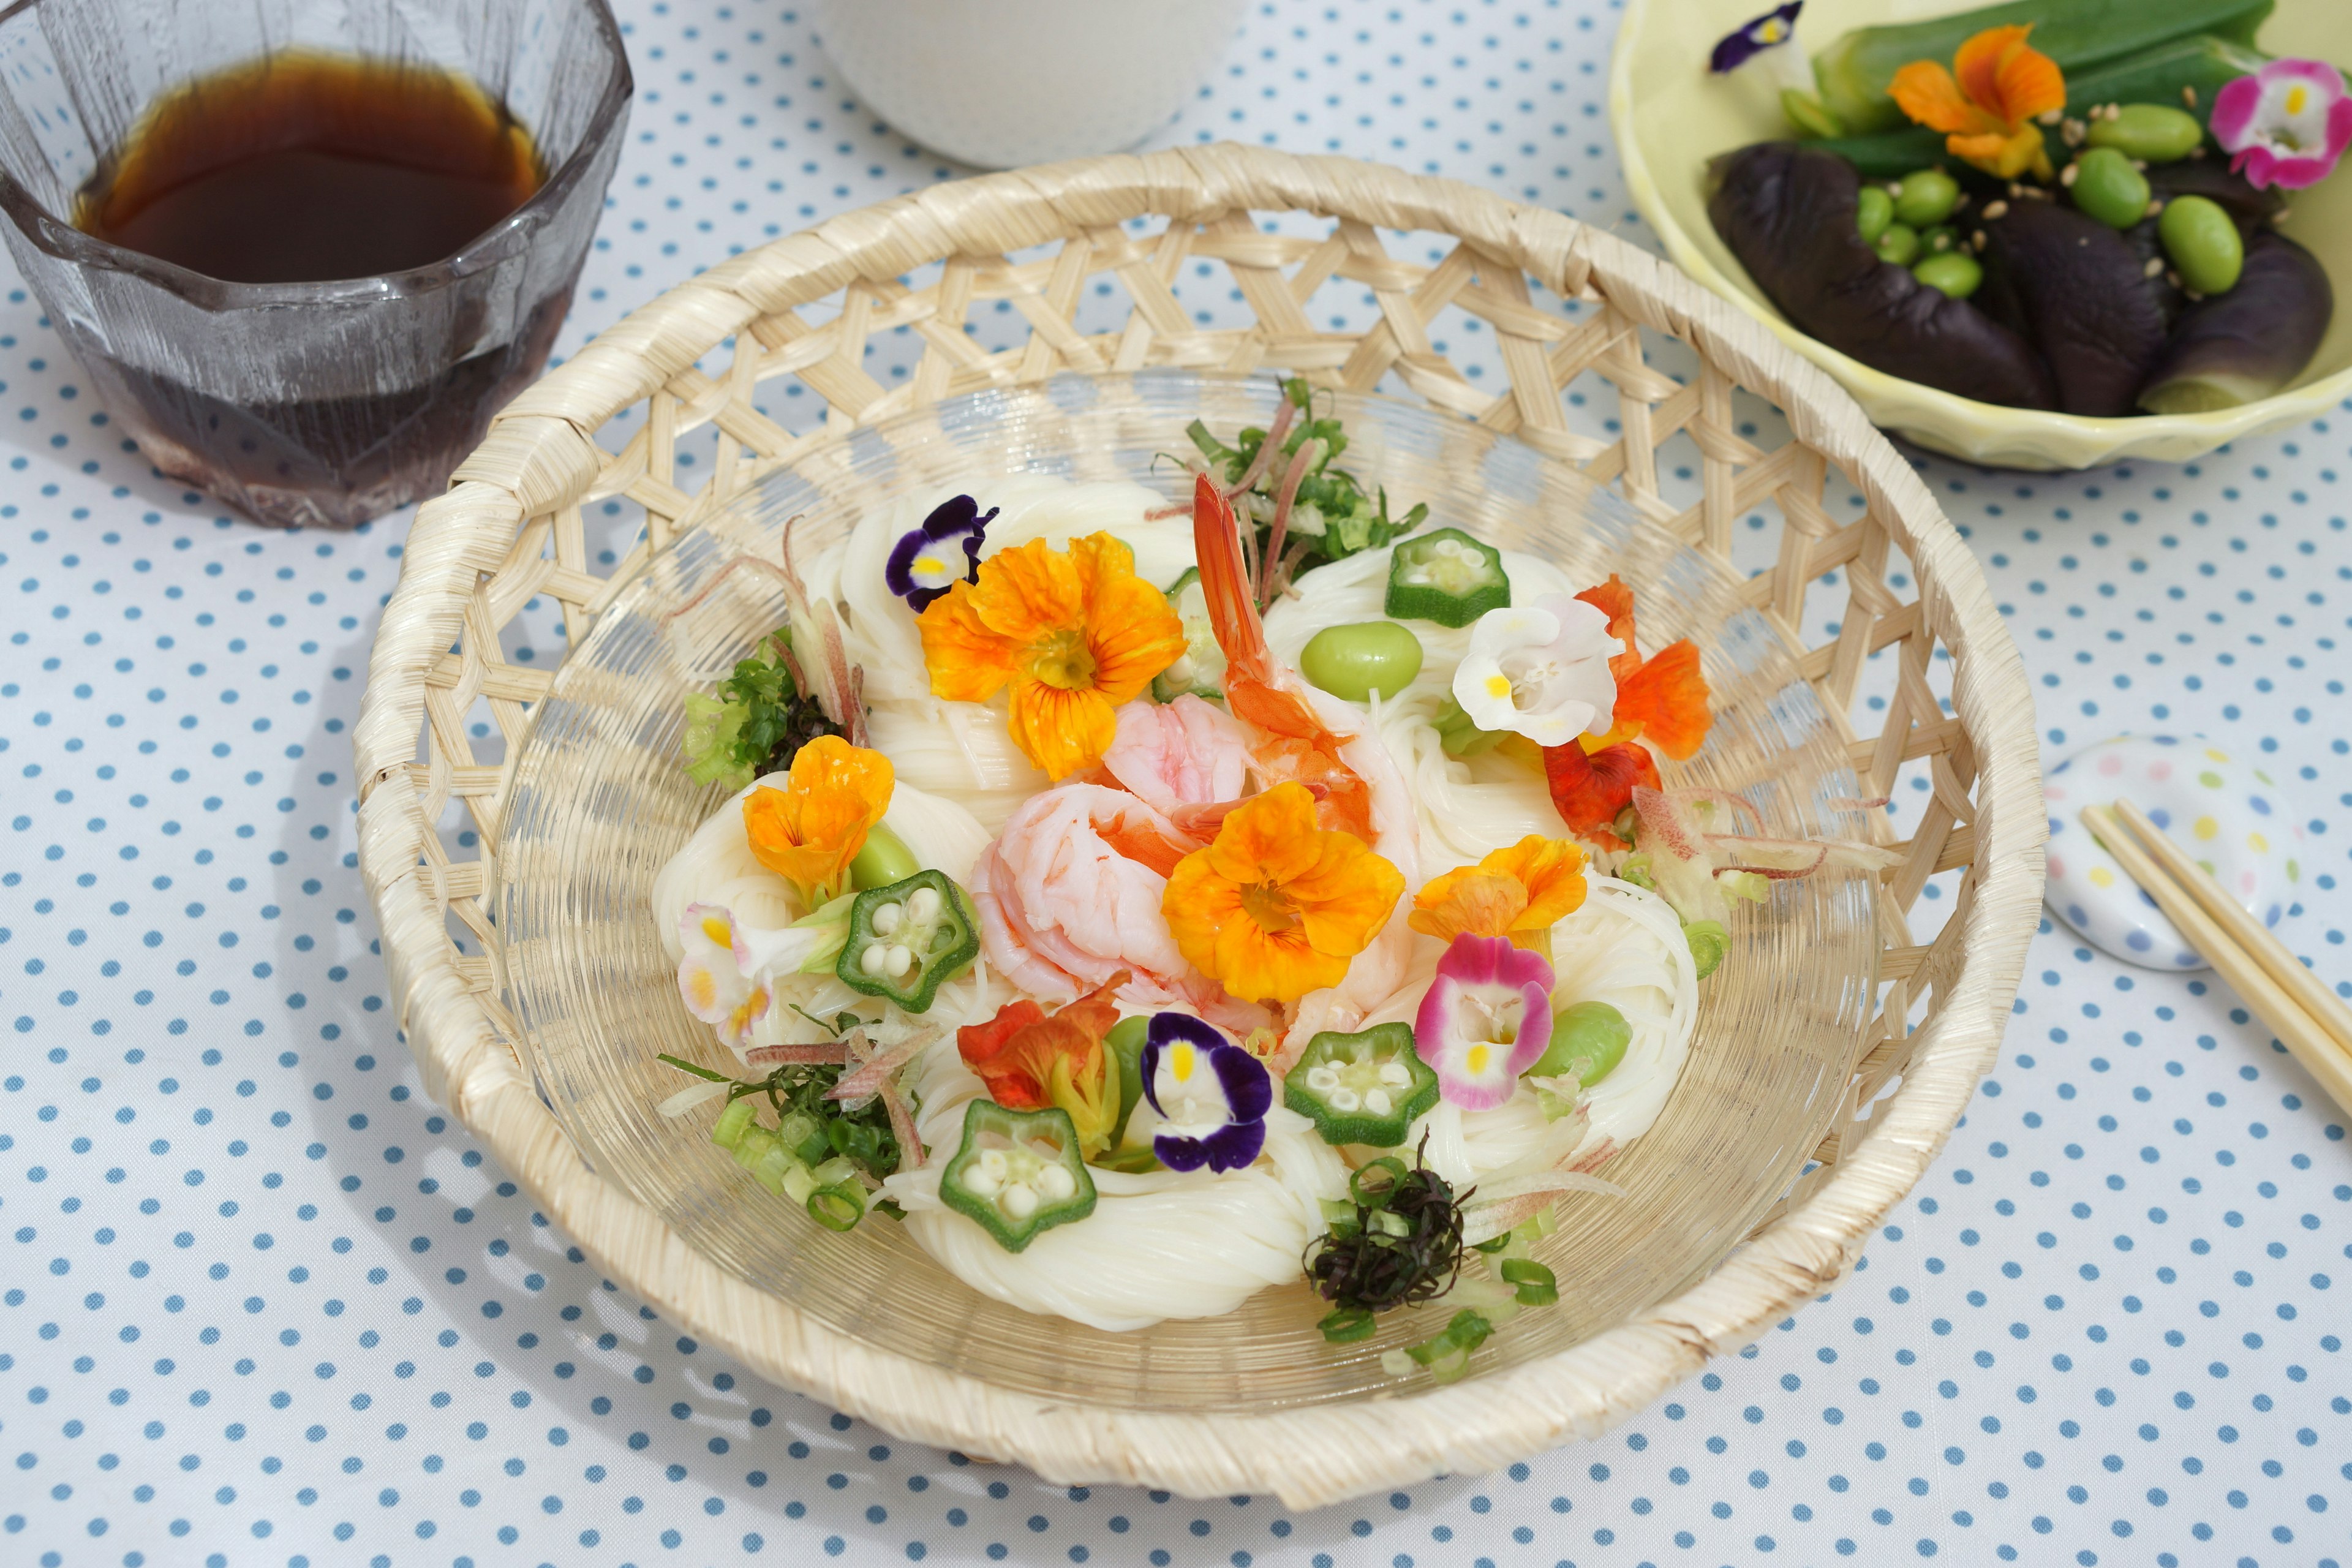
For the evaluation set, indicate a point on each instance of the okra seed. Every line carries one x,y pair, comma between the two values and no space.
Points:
871,962
1344,1099
923,905
1322,1077
1182,672
887,919
1054,1184
1018,1201
1395,1072
896,961
1378,1102
1418,577
1445,547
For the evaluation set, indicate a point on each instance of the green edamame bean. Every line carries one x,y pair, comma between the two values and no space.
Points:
1926,197
2154,132
1955,272
1587,1040
885,859
1899,242
2108,188
1874,209
1353,661
2203,243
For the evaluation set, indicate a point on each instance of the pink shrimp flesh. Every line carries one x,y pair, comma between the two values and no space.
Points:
1064,905
1185,753
1294,742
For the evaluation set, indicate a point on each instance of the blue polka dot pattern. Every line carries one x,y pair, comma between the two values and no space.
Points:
267,1306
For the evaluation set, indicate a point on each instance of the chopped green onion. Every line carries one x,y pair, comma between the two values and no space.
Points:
704,1073
1371,1197
728,1131
839,1207
1346,1325
1537,1286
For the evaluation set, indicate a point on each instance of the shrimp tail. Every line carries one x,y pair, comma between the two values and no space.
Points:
1224,583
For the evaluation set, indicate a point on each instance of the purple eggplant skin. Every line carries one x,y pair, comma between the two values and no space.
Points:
2232,349
2087,298
1788,212
2211,178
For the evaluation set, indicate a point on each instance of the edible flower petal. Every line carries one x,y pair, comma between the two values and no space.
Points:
715,987
1029,1060
929,560
1519,893
1276,907
1073,633
1662,698
1988,102
1589,789
1213,1095
2286,125
1664,701
1484,1020
1541,671
809,831
1752,38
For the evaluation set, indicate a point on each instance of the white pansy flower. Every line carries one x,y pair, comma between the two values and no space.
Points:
711,979
1539,671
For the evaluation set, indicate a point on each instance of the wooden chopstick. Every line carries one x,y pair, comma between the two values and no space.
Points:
2307,1018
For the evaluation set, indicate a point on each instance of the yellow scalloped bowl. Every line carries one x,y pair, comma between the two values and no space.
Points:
1670,118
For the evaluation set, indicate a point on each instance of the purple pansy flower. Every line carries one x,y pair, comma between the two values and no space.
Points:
928,560
1213,1094
1484,1020
2286,125
1747,41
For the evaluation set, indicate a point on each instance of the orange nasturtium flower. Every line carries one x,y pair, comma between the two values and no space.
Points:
1074,633
809,831
1276,907
1029,1059
1520,892
1988,103
1661,699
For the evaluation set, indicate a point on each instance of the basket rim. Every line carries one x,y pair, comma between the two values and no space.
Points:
1307,1457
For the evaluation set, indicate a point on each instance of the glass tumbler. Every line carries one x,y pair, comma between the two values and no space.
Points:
305,404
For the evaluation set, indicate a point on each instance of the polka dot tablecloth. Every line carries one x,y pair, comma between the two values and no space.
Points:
263,1304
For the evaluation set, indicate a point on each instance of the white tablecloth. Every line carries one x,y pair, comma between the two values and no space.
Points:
266,1306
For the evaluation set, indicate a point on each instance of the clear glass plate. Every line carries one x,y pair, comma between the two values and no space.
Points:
599,802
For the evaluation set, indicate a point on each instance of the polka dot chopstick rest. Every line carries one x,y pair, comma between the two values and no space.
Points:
2227,813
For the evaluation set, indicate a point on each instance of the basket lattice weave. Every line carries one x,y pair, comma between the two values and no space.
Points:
511,528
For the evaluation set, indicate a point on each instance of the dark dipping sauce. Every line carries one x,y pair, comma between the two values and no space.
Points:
315,168
312,168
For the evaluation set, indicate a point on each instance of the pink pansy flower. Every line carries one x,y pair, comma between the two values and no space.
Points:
2286,125
1484,1020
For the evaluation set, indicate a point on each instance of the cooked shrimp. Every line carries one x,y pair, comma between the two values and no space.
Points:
1313,738
1070,894
1179,754
1294,739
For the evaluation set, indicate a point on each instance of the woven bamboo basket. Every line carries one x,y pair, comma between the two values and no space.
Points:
510,529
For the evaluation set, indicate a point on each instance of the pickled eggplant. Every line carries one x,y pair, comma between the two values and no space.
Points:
2211,178
1787,212
2233,348
2087,297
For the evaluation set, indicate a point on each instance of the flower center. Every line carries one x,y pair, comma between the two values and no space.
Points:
1064,661
1269,906
1487,1024
1530,680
